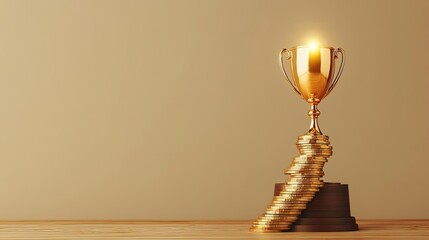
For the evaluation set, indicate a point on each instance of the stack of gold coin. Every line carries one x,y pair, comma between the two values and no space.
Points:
305,179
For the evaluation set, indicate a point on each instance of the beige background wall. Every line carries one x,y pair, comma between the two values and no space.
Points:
178,109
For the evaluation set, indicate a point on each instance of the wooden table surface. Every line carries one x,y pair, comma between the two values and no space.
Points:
370,229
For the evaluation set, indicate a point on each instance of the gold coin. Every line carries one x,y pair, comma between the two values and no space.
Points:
300,181
316,165
294,212
309,142
276,219
313,152
277,225
279,208
313,147
308,167
303,168
296,199
309,162
286,205
273,208
312,140
300,166
313,173
307,150
313,144
296,194
296,183
290,200
301,191
294,173
304,179
265,230
318,153
273,226
304,186
310,159
272,222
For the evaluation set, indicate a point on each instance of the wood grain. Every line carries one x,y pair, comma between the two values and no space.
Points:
370,229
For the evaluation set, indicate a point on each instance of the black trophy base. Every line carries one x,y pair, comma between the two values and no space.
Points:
329,211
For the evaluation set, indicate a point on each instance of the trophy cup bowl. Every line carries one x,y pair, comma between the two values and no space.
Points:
313,70
304,202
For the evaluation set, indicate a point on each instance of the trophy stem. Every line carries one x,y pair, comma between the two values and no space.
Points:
314,115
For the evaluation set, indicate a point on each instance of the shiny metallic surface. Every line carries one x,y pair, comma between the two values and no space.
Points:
313,71
313,75
302,185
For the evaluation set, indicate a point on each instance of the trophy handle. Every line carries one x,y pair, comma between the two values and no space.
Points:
284,71
340,70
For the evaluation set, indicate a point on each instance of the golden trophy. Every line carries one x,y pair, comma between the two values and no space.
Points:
305,202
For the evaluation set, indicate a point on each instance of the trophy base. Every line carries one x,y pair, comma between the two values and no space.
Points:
329,211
